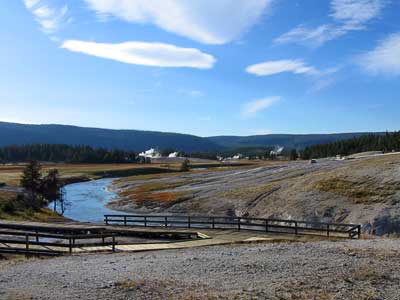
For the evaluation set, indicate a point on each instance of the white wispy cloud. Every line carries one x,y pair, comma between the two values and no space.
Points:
49,18
147,54
251,108
354,14
347,15
197,20
320,79
312,37
324,79
30,3
385,58
321,84
280,66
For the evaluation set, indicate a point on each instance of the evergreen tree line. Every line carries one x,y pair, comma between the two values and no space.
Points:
371,142
64,153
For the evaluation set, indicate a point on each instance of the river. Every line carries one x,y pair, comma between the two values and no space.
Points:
86,201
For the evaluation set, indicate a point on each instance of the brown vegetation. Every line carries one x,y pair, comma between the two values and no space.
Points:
156,194
14,208
361,191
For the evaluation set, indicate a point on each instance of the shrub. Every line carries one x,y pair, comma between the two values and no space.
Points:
185,166
8,207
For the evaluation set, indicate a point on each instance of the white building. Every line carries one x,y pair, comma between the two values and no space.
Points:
238,156
151,153
173,154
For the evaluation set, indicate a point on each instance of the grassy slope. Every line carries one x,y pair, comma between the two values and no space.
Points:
11,208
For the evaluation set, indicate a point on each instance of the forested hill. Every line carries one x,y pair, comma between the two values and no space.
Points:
134,140
65,153
138,140
292,141
372,142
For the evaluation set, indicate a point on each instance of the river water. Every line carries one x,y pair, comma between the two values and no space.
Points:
86,201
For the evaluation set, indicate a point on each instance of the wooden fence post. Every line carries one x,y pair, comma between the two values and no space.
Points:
295,227
327,230
239,223
359,231
125,220
145,221
166,221
266,225
189,222
70,245
113,242
27,244
37,235
213,223
106,219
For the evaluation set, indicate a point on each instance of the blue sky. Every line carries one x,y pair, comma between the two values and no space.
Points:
210,67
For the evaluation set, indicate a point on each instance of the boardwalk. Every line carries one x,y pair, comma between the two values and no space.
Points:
64,238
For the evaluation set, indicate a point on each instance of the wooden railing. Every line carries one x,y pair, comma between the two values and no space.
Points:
223,222
35,242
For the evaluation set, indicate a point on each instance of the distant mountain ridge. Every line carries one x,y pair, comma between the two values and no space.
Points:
140,140
134,140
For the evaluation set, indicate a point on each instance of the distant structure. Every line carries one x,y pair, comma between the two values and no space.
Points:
151,153
238,156
174,154
277,151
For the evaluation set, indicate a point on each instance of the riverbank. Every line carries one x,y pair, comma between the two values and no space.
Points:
11,174
13,207
86,201
351,270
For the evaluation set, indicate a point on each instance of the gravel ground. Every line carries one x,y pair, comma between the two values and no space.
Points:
362,269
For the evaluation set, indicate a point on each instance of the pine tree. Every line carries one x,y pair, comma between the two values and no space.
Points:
293,154
51,186
31,181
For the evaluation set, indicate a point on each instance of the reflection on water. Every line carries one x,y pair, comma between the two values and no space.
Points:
85,201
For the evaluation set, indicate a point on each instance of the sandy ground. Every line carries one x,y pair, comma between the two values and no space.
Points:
357,269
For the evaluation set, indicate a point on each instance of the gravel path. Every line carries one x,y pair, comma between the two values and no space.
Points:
362,269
